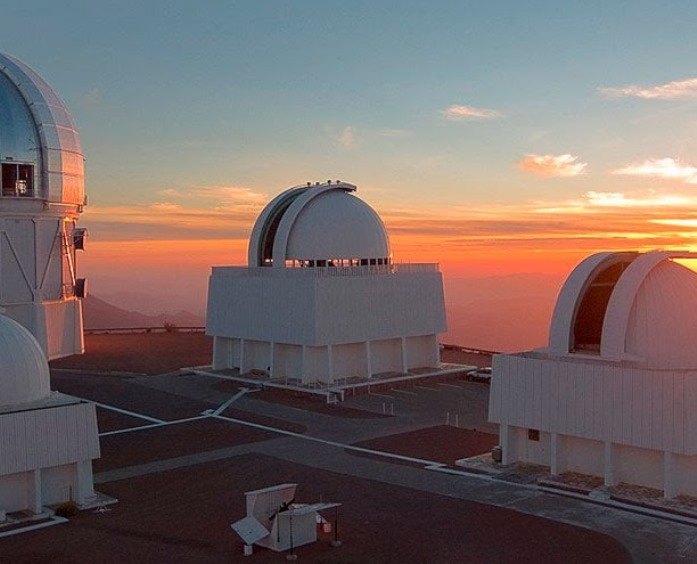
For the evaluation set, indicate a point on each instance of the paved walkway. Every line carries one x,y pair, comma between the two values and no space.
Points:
326,446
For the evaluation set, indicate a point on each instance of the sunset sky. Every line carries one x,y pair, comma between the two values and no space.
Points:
493,137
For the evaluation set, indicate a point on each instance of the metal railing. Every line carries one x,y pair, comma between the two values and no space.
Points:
326,271
137,330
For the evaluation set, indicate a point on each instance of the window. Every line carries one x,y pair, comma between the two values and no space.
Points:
17,180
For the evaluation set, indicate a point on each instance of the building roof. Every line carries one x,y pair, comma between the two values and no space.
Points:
24,374
37,128
629,306
317,222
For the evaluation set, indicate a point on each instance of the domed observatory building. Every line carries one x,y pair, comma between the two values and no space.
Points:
321,300
41,198
47,440
615,393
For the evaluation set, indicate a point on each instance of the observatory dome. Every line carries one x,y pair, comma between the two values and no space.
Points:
40,152
662,326
24,375
320,225
629,306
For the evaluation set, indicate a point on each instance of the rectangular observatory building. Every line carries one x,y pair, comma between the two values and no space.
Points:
321,299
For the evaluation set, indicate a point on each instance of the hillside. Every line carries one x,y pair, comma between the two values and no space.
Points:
99,314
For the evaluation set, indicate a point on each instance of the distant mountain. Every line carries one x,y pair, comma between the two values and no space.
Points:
500,313
99,314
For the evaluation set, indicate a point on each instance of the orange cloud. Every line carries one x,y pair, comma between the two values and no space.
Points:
675,89
458,112
157,247
618,199
552,165
661,168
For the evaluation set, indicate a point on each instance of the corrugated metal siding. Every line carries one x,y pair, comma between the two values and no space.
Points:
644,408
48,437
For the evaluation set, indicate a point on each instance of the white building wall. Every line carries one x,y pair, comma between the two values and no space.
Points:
422,351
41,438
639,466
368,308
625,423
596,400
36,284
349,360
316,365
15,492
686,474
296,306
288,361
257,354
386,355
581,455
58,484
537,452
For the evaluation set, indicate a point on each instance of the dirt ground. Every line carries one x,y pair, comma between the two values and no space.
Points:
142,353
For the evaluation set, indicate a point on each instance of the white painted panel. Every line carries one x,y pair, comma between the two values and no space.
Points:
685,468
683,435
617,404
349,360
583,455
689,422
15,281
553,374
48,259
354,308
499,375
627,402
386,356
598,428
639,466
535,452
14,492
661,418
42,438
315,367
57,484
257,355
536,406
528,403
421,351
287,361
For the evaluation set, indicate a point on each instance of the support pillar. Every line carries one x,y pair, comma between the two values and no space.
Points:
555,454
83,482
436,345
609,464
404,355
35,492
242,365
271,359
303,365
670,489
330,365
222,353
506,440
368,361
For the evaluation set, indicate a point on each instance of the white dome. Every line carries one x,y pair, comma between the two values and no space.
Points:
24,374
337,224
37,131
322,223
662,326
639,307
